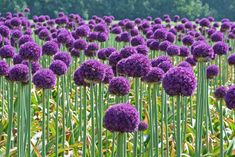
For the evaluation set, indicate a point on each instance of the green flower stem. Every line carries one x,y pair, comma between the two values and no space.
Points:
43,123
92,120
221,129
56,117
100,109
84,103
29,109
150,122
162,124
63,113
120,144
155,93
178,119
166,122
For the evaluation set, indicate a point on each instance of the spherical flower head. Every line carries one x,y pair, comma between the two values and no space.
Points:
137,65
24,39
82,31
220,92
15,22
225,26
184,51
164,45
142,126
217,36
44,79
16,34
58,67
231,59
102,37
19,73
188,40
3,68
165,65
80,44
212,71
79,79
101,54
125,37
155,75
220,48
35,66
142,49
7,51
179,81
44,34
185,65
108,51
127,51
160,34
108,74
121,66
170,37
156,61
134,32
154,45
119,86
204,22
191,61
230,97
173,50
17,59
26,10
50,48
30,51
100,28
92,71
63,37
121,118
114,58
202,52
137,40
4,31
63,56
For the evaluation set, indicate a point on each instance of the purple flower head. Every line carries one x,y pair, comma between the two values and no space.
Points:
63,37
119,86
93,71
102,37
58,67
217,36
202,52
164,45
100,28
220,48
101,54
212,71
44,34
121,118
173,50
63,56
184,51
154,45
127,51
114,58
50,48
155,75
18,73
204,22
80,44
35,66
125,37
116,30
134,32
3,68
188,40
185,64
156,61
220,92
225,26
30,51
142,126
7,51
108,74
179,81
165,65
82,31
17,59
170,37
137,40
44,79
79,79
121,66
24,39
15,22
137,65
4,31
231,59
142,49
16,34
26,10
230,97
160,34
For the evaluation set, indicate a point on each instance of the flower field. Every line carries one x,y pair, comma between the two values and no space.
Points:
153,87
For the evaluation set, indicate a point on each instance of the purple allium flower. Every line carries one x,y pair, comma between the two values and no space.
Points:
80,44
137,40
137,65
127,51
154,45
44,34
160,34
63,56
102,37
230,97
170,37
108,74
225,26
63,37
188,40
24,39
142,49
165,65
100,28
82,31
116,30
119,86
220,92
156,61
155,75
92,71
120,67
179,81
231,59
26,10
101,54
125,37
134,32
4,31
185,64
142,126
16,34
121,118
35,66
44,79
212,71
114,58
220,48
173,50
30,51
50,48
79,79
15,22
204,22
3,68
58,67
17,59
202,52
7,51
19,73
184,51
164,45
217,36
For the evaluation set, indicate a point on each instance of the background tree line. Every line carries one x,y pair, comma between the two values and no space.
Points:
125,8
